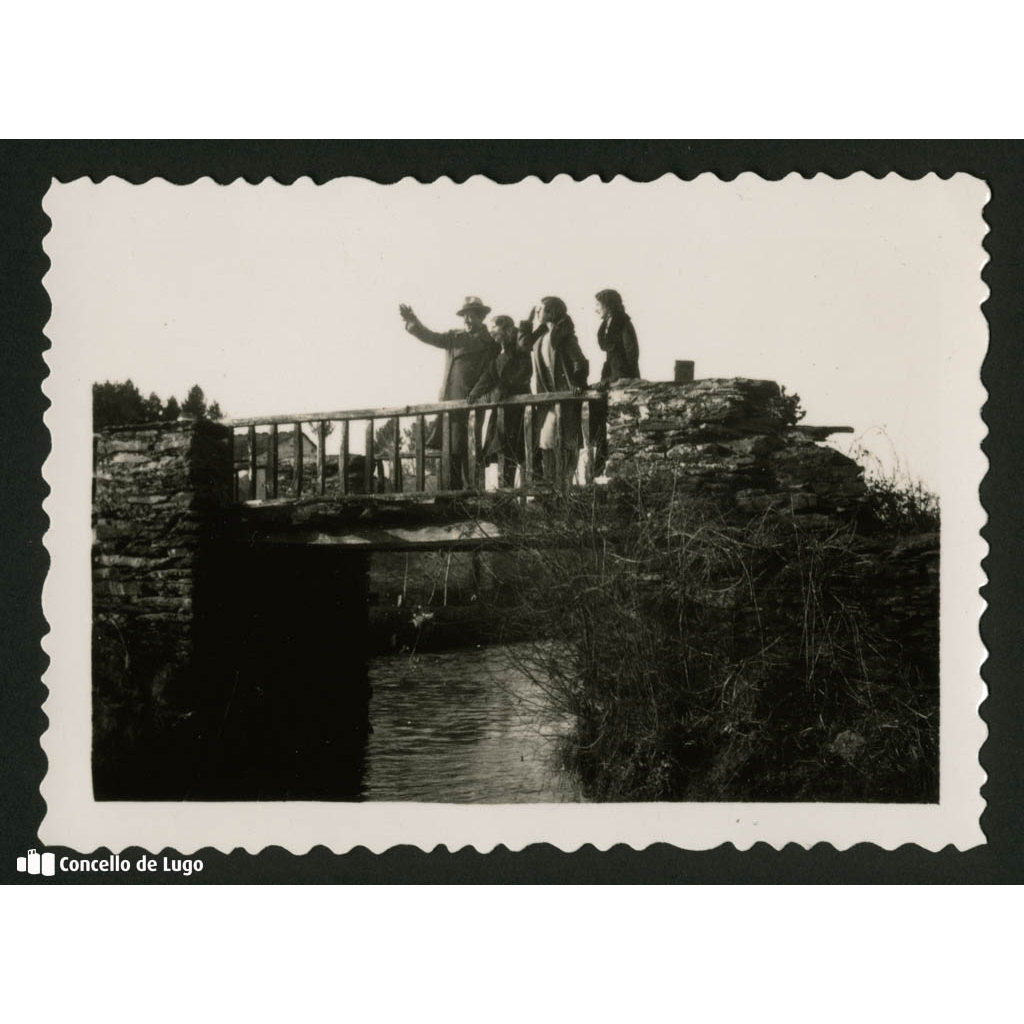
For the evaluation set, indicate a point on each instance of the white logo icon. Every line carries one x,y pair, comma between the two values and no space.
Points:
37,864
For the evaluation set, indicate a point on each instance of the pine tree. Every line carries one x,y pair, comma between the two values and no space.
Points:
153,408
116,402
194,406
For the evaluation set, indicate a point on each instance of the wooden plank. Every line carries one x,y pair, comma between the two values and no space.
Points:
499,432
527,481
472,451
297,471
343,458
426,409
820,433
466,536
588,468
272,452
396,457
274,508
421,465
321,462
446,452
368,463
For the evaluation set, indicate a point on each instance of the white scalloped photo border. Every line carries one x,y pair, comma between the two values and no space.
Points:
75,819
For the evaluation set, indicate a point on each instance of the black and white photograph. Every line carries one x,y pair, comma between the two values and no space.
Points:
406,533
476,513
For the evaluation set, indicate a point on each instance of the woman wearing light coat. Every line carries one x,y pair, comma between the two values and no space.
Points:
558,366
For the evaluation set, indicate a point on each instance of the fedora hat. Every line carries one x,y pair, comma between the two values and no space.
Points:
472,302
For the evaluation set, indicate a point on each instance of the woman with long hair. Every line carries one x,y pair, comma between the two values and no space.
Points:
558,365
616,337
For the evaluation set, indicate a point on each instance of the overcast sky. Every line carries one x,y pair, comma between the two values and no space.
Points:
280,299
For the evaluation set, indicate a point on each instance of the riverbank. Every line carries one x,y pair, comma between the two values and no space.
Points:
723,656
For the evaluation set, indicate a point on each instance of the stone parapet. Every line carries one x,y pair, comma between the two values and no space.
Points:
730,439
159,489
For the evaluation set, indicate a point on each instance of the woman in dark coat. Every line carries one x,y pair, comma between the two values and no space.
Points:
508,374
617,339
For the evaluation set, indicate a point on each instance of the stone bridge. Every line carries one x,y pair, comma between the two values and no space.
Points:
224,548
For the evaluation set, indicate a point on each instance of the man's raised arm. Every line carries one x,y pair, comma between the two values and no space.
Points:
417,330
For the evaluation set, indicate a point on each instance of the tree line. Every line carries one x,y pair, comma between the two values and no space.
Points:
115,403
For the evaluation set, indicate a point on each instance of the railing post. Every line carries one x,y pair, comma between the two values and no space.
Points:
421,470
272,461
368,464
528,440
499,433
560,453
231,457
446,451
343,458
297,469
252,462
472,452
396,458
588,468
321,462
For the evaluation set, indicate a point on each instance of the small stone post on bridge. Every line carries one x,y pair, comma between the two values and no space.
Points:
684,371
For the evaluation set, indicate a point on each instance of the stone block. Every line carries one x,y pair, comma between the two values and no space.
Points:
111,530
124,561
141,442
145,499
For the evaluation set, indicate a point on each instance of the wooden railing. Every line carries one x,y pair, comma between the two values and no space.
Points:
257,445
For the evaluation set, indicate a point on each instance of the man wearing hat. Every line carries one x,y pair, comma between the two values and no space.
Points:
468,353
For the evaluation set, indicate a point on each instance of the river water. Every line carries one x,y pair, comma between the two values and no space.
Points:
462,726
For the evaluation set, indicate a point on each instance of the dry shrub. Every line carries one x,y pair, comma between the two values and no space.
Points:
897,502
709,657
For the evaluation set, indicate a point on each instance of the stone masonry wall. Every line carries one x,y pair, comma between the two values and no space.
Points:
732,438
870,617
161,491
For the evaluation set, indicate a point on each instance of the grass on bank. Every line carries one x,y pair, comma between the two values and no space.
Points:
706,656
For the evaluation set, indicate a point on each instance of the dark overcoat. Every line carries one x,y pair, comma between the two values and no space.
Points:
617,339
467,355
508,374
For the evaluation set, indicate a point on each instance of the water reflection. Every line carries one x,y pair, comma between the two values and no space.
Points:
461,726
